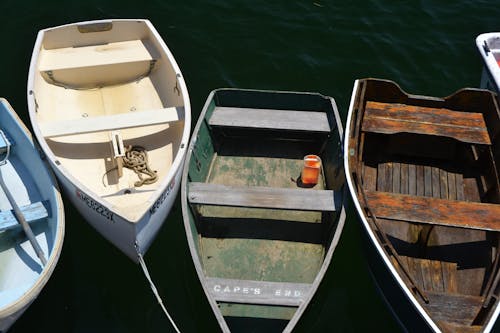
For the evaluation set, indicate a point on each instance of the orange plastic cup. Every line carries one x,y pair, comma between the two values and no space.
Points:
310,170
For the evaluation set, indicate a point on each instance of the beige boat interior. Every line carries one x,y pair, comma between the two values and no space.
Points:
100,88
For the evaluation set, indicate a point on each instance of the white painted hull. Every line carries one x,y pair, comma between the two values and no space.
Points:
488,45
119,69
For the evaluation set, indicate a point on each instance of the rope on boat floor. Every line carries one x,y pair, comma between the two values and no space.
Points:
155,291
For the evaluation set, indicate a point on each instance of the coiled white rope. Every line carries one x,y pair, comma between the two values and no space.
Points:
154,290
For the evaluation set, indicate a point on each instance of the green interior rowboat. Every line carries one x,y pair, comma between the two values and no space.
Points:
261,241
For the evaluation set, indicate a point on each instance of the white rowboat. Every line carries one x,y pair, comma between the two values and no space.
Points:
94,89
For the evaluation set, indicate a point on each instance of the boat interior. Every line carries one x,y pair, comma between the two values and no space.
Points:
33,193
430,190
261,235
100,88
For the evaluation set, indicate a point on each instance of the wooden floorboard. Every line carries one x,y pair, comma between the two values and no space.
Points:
460,309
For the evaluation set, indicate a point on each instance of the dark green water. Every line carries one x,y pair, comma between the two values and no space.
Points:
316,45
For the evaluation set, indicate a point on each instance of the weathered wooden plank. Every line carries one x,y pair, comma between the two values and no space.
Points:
257,292
412,179
443,184
381,179
369,177
425,266
109,122
449,277
436,183
389,118
436,276
459,181
32,213
428,181
452,186
396,177
461,309
404,183
420,180
449,327
474,215
263,197
270,119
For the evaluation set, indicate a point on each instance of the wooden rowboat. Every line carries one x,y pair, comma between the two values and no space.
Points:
111,111
31,219
423,175
260,240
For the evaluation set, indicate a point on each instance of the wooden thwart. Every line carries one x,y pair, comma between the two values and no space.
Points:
32,213
262,197
109,122
94,55
482,216
257,292
270,119
389,118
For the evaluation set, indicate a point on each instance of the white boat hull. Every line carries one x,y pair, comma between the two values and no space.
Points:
93,86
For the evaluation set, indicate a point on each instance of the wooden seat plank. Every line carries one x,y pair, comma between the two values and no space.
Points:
270,119
263,197
473,215
32,213
257,292
94,55
390,118
109,122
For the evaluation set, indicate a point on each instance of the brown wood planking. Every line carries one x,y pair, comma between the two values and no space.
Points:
396,118
443,184
369,177
428,181
459,181
449,271
412,179
460,309
425,266
420,180
396,177
436,276
436,193
452,186
410,208
404,178
448,327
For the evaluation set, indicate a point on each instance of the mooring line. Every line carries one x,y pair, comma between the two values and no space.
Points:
154,290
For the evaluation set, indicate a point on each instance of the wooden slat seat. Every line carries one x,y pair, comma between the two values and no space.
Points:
94,55
109,122
263,197
257,292
390,118
32,213
270,119
473,215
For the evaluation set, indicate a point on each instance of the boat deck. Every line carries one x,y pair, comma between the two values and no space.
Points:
255,243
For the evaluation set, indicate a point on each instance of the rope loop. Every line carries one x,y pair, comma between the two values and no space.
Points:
136,159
